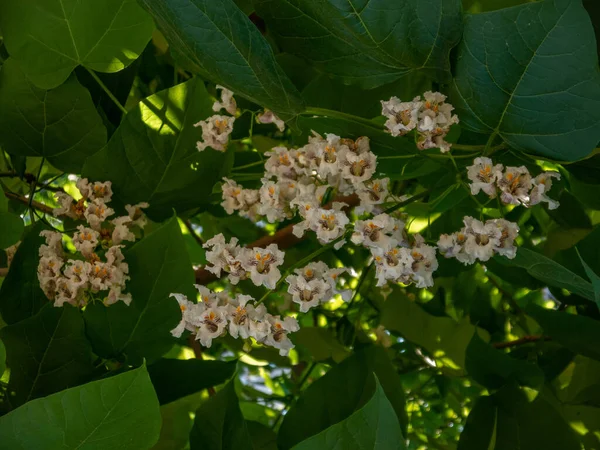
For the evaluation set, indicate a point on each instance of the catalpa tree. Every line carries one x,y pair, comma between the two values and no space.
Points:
276,224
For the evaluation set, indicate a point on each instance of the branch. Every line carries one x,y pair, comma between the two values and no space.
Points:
284,238
521,341
195,235
3,271
198,354
37,205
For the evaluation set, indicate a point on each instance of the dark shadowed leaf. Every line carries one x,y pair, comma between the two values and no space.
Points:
374,426
594,279
11,228
219,423
320,343
158,266
367,43
46,353
492,368
152,156
176,378
117,412
61,124
517,92
218,40
50,38
480,429
342,391
20,293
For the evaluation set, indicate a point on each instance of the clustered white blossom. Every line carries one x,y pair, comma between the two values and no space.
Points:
218,313
516,185
315,284
395,258
217,128
430,116
98,269
268,116
258,264
480,241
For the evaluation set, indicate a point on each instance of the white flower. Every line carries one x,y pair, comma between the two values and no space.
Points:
236,198
359,168
86,241
114,257
212,325
53,246
281,163
189,311
328,224
452,246
372,232
423,265
238,315
541,185
307,293
67,206
78,271
116,294
315,269
332,277
227,101
137,216
482,238
96,213
10,253
262,265
360,145
269,116
215,132
371,193
277,335
484,174
402,116
272,202
515,185
67,292
95,191
332,154
508,233
122,232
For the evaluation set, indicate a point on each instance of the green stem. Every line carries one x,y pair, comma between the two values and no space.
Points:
488,145
32,191
105,89
247,166
340,115
414,198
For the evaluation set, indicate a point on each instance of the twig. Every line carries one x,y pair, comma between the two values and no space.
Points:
3,271
37,205
195,235
198,354
521,341
105,89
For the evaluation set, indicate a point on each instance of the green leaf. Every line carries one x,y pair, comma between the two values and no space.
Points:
263,438
218,41
443,337
374,426
46,353
117,412
152,156
320,343
219,423
50,38
2,358
579,334
60,124
505,78
595,279
158,266
176,378
480,429
549,271
20,293
368,43
492,368
11,229
342,391
3,201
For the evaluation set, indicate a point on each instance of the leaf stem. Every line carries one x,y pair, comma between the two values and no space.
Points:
340,115
105,89
32,191
408,201
247,166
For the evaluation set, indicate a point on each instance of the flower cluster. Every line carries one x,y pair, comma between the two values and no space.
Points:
258,264
515,184
268,116
296,181
315,284
431,117
217,128
480,241
218,314
99,265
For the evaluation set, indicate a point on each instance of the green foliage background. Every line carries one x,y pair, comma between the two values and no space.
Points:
499,356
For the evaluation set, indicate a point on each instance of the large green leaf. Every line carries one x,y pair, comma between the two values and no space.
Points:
158,266
219,423
594,279
368,43
443,337
11,228
579,334
480,430
20,293
60,124
550,272
176,378
342,391
2,358
46,353
374,426
320,343
218,40
117,412
153,157
492,368
530,73
50,38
